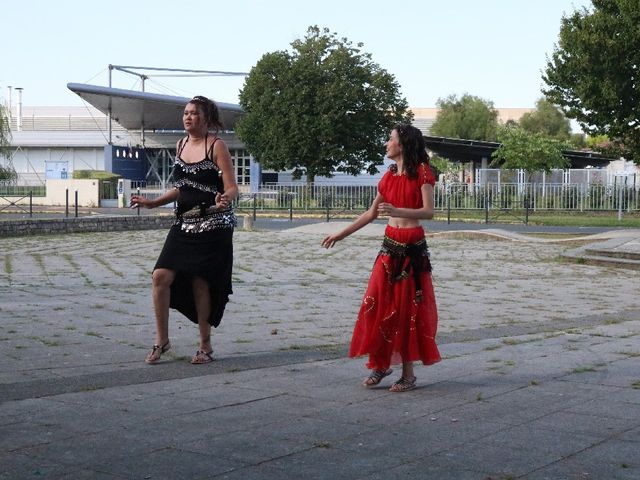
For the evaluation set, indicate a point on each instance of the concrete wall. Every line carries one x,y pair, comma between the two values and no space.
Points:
56,191
88,192
12,228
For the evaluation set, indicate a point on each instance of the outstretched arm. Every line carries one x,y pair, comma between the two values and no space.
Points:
167,197
366,218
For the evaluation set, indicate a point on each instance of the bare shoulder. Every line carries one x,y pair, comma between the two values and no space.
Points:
219,145
180,142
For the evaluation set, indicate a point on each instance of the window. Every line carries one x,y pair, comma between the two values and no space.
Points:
242,162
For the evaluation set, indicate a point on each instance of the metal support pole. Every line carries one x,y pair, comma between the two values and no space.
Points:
76,201
486,204
619,202
328,201
109,111
66,203
449,208
255,205
290,194
31,203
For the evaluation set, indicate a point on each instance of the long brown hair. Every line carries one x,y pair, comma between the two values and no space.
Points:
210,111
414,150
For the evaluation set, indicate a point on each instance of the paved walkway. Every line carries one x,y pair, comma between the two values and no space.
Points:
540,376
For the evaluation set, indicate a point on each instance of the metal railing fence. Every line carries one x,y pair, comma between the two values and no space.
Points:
454,196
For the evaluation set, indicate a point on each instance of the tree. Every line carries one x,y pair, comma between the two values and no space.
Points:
548,120
532,152
324,107
7,173
594,71
469,117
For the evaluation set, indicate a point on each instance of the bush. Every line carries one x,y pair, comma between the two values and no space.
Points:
96,175
7,175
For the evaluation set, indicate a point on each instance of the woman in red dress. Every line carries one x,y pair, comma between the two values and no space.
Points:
398,318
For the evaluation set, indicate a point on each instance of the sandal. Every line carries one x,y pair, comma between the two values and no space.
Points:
154,355
403,385
376,377
201,357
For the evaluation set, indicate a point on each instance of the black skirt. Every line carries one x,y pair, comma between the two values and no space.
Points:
208,255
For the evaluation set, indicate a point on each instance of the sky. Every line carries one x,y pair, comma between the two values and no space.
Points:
494,49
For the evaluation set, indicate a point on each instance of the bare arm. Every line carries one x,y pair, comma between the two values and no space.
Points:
424,213
223,159
366,218
167,197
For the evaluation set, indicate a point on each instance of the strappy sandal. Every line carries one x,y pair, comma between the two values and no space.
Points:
154,355
201,357
376,377
403,385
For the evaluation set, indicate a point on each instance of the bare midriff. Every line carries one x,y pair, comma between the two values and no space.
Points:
400,222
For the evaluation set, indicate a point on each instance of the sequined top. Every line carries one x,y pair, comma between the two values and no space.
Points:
198,183
402,191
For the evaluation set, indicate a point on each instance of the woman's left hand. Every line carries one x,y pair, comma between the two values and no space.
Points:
387,209
222,201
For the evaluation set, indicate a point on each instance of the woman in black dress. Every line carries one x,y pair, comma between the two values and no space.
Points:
193,271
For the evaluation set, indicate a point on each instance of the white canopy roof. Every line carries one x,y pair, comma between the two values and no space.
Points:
136,110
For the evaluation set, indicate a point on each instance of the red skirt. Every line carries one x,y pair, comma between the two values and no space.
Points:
394,325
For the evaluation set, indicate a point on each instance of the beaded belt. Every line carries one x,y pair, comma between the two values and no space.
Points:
205,219
418,255
397,249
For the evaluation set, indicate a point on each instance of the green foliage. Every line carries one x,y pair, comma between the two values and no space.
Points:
532,152
5,132
96,174
6,173
593,71
578,141
548,120
595,142
468,117
103,177
442,165
322,107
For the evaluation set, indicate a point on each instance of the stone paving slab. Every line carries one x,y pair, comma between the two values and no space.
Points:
539,377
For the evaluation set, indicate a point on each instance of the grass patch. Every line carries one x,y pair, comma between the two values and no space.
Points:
107,265
612,321
584,369
554,218
321,271
492,347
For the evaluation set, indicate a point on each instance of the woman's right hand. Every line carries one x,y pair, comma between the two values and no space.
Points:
330,240
139,201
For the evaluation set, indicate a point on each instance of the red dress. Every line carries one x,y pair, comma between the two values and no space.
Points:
398,317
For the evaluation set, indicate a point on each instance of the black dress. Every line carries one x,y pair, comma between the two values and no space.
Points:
199,243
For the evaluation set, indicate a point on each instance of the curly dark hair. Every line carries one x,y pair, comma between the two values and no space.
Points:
414,150
210,111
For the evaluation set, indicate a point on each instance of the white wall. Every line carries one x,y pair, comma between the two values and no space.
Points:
30,162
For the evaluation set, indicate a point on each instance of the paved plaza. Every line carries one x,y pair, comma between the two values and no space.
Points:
540,377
